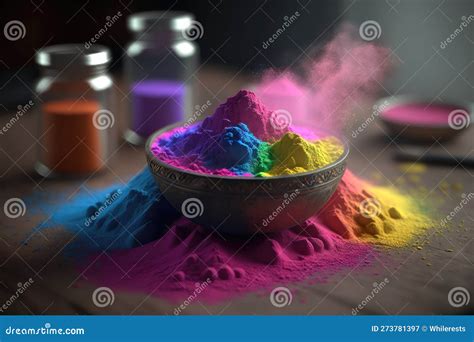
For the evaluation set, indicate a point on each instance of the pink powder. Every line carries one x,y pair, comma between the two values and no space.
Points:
419,114
245,108
283,92
349,73
340,82
188,256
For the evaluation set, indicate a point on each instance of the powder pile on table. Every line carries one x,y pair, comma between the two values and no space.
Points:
166,255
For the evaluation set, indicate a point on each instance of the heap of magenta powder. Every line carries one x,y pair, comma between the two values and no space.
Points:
140,243
244,107
189,256
234,141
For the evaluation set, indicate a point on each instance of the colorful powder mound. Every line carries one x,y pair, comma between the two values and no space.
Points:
173,254
243,138
189,256
116,217
361,211
293,154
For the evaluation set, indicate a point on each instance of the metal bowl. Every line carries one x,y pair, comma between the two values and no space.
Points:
245,205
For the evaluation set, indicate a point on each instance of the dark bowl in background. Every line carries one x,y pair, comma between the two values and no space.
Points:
420,133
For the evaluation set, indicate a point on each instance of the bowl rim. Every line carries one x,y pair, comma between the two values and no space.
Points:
397,100
150,155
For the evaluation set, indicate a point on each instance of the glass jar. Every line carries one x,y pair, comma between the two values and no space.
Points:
159,68
76,129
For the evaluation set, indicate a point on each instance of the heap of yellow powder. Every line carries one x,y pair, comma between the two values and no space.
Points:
375,214
294,154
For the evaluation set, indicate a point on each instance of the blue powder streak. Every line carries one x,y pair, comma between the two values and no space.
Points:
124,216
235,148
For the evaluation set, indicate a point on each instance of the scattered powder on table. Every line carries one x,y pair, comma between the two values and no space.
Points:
413,167
189,257
112,218
169,262
376,214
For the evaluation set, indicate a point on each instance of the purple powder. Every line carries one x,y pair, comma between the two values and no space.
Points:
156,104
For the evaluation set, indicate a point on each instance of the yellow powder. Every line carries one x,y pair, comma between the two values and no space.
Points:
294,154
396,218
457,187
412,167
381,215
414,178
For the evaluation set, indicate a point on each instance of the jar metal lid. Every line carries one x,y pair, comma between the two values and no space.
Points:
170,20
65,54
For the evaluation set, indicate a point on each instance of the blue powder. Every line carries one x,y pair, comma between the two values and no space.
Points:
235,149
113,218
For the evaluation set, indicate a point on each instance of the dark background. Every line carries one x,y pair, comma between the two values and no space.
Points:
247,23
235,30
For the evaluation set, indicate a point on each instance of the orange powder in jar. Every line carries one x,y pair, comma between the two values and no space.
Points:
72,142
